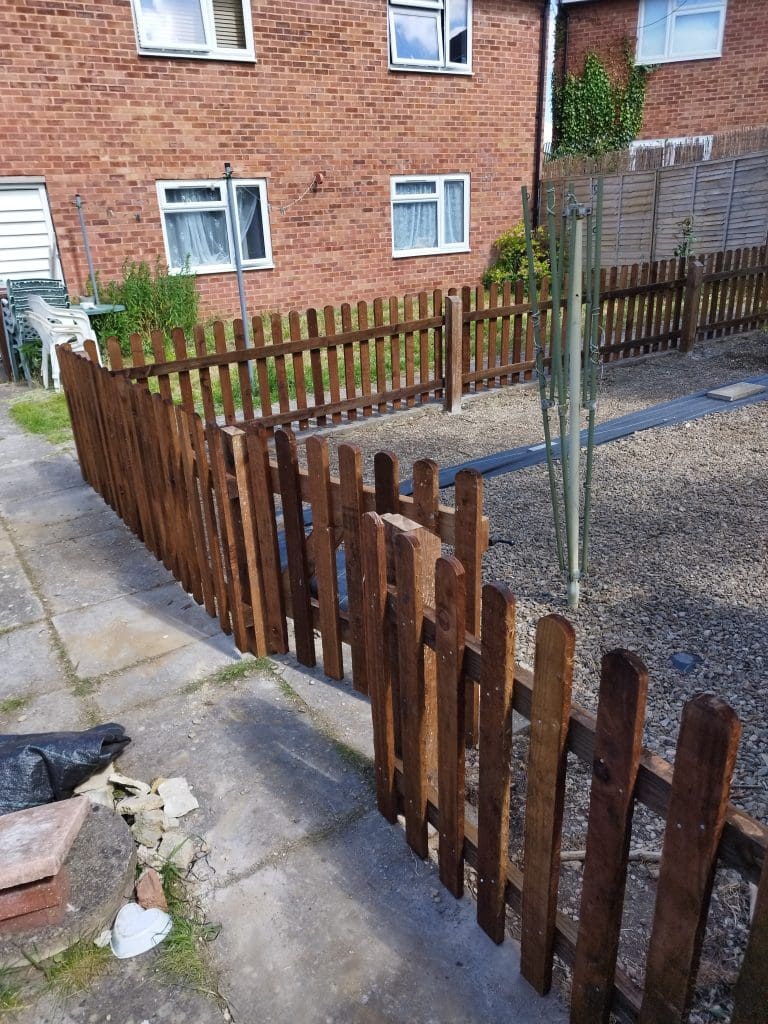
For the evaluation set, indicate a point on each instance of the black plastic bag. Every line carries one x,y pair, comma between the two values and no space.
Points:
46,766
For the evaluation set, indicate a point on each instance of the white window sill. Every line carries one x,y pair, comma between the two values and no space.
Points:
240,56
653,61
400,254
218,268
424,70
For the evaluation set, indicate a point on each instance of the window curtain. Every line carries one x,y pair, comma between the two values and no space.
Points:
454,212
200,235
252,245
415,224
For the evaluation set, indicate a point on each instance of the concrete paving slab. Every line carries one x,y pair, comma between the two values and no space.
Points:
348,713
48,712
166,675
14,452
264,776
130,629
45,476
90,570
29,662
354,929
18,604
75,512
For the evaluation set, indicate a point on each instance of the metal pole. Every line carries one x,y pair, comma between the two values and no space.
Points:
573,351
88,258
233,220
594,355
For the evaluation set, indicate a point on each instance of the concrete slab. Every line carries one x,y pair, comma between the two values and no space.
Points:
45,476
347,712
264,776
29,661
84,571
13,453
130,629
47,713
75,512
166,675
19,604
354,929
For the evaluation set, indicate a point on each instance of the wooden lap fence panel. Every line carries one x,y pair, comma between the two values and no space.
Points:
703,831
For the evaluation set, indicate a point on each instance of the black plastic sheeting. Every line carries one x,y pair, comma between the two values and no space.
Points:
42,767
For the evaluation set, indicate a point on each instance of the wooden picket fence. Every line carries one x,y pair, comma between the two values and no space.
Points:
256,540
324,367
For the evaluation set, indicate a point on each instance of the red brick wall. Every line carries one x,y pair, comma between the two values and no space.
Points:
84,110
694,97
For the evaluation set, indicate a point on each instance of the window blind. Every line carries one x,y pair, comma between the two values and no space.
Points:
229,25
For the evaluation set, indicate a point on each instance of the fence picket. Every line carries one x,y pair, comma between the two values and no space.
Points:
450,632
349,359
618,746
243,372
329,317
257,597
704,762
394,350
316,365
379,341
496,695
386,474
299,381
319,479
750,996
469,545
283,394
550,716
365,356
262,369
269,547
408,348
352,508
296,545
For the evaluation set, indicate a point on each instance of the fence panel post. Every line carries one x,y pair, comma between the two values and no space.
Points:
704,762
453,353
496,683
618,745
550,711
450,630
691,306
378,629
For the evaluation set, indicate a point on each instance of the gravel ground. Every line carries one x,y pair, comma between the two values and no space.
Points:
679,562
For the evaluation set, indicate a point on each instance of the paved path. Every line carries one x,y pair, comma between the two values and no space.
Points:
326,916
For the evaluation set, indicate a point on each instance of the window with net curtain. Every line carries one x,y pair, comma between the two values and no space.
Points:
430,215
197,228
672,30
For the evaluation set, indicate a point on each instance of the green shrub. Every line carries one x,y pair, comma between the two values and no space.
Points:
512,257
154,299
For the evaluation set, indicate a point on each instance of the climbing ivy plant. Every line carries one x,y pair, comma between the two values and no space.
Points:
595,115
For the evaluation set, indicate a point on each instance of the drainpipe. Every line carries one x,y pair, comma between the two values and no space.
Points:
541,99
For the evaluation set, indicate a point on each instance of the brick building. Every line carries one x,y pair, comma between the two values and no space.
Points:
420,115
711,58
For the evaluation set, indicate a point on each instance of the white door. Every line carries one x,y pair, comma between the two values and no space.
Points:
27,239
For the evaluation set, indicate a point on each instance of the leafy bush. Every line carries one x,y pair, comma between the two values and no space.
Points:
512,257
154,299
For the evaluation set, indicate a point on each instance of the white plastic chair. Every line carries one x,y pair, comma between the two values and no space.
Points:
70,315
58,331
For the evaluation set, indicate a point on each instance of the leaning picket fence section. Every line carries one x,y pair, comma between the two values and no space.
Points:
326,366
258,540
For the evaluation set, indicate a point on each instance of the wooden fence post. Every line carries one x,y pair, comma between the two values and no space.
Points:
691,305
453,353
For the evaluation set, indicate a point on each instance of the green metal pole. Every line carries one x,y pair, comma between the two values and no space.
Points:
556,265
573,357
533,299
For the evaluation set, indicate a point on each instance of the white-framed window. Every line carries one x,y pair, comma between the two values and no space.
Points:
430,214
670,30
197,228
430,35
212,29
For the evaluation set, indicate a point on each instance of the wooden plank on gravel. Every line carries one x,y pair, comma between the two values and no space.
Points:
496,695
450,625
618,746
704,762
296,545
323,539
550,712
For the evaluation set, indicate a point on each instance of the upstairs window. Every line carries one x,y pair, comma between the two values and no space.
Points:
430,215
430,35
214,29
198,231
670,30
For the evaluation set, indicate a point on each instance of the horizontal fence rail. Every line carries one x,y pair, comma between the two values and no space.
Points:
257,539
324,367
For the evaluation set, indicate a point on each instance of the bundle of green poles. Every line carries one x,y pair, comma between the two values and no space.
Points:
568,373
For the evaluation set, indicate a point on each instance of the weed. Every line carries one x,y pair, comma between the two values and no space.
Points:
11,705
10,994
183,954
240,669
47,415
76,968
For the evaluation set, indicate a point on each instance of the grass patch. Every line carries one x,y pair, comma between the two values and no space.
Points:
183,953
10,994
240,669
76,969
47,415
11,705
